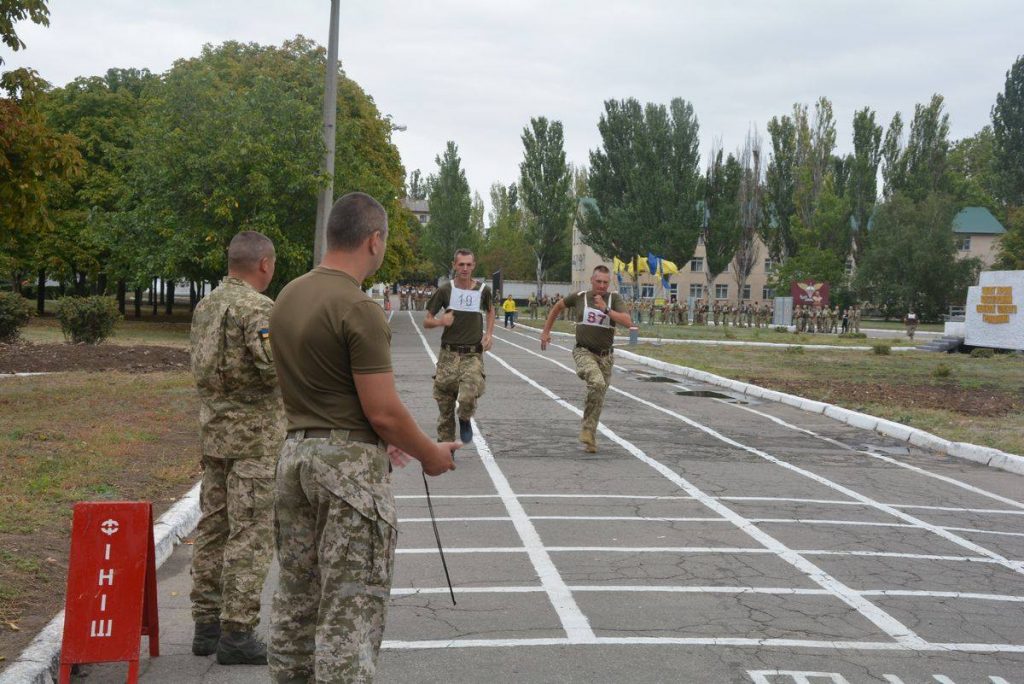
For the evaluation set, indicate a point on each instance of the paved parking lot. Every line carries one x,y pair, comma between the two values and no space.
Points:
709,540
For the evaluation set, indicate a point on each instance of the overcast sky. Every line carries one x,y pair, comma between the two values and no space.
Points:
475,71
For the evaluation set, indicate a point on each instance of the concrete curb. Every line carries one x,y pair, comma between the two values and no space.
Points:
994,458
38,664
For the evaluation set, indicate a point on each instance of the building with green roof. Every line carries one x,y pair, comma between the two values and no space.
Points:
977,234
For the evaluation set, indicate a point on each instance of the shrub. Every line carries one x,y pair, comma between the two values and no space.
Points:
942,371
15,311
781,328
881,349
982,353
795,350
853,336
88,320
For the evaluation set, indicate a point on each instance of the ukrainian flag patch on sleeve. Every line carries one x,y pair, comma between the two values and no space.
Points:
264,333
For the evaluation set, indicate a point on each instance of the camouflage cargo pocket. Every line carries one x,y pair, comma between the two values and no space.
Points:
251,487
367,523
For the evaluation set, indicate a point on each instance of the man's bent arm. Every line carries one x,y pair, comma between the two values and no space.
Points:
552,315
394,424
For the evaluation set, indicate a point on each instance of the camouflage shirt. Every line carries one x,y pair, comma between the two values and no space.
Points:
240,411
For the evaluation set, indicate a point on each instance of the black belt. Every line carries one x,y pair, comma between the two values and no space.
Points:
606,352
464,348
344,435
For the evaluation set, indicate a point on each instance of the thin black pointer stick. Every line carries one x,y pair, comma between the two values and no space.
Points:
437,536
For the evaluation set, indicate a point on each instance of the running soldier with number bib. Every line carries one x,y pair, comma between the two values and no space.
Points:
598,311
460,365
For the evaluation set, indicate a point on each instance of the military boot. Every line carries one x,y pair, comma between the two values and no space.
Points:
589,441
241,648
204,641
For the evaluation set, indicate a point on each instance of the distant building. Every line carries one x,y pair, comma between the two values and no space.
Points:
419,208
977,234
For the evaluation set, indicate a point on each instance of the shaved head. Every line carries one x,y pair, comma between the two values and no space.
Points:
246,250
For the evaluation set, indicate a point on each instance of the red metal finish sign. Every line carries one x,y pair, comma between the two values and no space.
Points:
809,293
111,599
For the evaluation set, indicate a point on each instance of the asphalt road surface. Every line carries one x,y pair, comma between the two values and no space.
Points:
710,539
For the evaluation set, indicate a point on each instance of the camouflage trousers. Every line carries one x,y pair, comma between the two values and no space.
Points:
336,531
458,377
234,541
596,371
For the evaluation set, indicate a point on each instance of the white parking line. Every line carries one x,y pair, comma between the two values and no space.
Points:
885,622
574,622
1016,566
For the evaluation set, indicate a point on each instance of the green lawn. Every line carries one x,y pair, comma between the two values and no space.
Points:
170,332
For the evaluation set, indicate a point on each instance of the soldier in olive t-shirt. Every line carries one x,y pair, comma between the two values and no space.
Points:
597,312
325,330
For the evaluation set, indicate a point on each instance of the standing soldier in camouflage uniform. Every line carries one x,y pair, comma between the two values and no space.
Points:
598,312
533,307
460,364
336,524
241,429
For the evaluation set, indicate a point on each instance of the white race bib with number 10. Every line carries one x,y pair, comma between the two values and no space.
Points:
465,300
596,316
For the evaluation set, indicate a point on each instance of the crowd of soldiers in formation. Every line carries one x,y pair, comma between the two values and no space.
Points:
822,319
414,297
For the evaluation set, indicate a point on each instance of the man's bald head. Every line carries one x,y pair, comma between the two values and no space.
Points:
246,250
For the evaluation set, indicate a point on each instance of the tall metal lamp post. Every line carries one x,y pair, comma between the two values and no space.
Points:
326,198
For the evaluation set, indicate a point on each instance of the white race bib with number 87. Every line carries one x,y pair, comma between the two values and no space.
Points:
596,317
465,300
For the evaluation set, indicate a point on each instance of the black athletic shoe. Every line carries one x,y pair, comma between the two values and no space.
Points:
465,431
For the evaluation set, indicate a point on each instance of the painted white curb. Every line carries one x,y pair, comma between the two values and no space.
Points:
742,343
994,458
38,664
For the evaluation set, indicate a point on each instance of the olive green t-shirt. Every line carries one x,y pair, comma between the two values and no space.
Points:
597,334
325,331
468,327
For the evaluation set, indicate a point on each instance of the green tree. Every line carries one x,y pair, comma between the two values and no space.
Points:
1011,245
13,11
1008,127
545,185
780,186
911,261
231,141
722,228
417,188
975,181
862,183
34,158
505,245
451,209
751,211
645,182
921,167
92,232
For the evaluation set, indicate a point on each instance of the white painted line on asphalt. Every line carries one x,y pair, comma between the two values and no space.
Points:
885,622
766,499
921,471
714,641
628,518
967,595
574,622
1016,566
678,589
